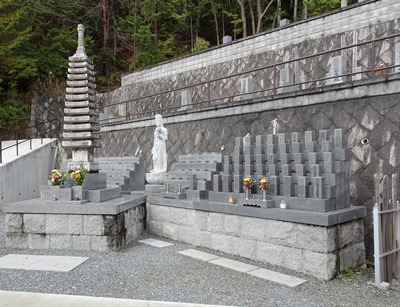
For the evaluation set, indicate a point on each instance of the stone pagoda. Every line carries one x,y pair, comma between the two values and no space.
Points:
81,119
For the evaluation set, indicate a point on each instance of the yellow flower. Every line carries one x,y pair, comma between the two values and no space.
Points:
246,179
263,180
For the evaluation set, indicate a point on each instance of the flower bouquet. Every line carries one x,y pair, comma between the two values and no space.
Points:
378,68
79,175
248,183
264,186
57,178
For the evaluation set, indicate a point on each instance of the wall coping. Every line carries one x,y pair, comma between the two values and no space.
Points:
324,219
110,207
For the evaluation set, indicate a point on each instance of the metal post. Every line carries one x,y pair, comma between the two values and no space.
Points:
377,245
1,153
397,237
30,143
373,58
209,94
16,140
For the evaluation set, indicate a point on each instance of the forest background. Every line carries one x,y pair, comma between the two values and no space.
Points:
38,36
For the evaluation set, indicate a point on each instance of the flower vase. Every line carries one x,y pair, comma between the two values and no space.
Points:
264,195
55,192
247,193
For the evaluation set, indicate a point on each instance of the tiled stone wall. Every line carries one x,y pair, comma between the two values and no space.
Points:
309,35
68,231
319,251
369,20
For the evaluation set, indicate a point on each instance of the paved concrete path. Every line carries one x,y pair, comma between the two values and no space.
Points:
25,299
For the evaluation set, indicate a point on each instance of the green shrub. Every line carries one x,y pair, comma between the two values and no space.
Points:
14,114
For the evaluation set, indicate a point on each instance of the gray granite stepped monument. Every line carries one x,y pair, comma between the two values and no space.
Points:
309,172
126,172
308,175
306,223
90,216
195,172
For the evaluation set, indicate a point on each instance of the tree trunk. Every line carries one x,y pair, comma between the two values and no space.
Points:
243,14
261,13
279,12
295,10
305,11
215,20
253,21
155,21
106,28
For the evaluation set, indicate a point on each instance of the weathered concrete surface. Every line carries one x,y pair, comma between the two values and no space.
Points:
21,176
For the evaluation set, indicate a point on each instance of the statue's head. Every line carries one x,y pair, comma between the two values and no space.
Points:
159,120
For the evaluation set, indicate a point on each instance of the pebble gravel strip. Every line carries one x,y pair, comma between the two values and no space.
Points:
143,272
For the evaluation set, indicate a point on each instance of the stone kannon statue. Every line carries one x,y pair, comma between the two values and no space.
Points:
159,150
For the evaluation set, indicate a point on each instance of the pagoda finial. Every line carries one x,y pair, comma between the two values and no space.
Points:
81,40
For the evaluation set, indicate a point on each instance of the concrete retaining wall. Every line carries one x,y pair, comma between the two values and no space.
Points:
369,20
20,179
366,16
319,251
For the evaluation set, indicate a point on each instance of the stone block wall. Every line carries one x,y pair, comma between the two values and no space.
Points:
319,251
344,27
70,231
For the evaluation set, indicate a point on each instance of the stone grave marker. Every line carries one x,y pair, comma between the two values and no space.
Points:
338,67
186,100
286,77
246,86
227,39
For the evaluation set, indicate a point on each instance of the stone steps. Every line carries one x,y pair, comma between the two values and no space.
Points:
196,194
200,175
199,185
198,167
102,195
201,158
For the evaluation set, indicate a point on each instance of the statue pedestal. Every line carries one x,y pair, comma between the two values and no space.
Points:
156,178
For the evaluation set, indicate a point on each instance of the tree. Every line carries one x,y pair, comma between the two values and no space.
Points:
316,7
261,11
242,4
16,62
214,10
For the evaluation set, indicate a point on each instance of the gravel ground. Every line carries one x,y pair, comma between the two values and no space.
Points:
149,273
